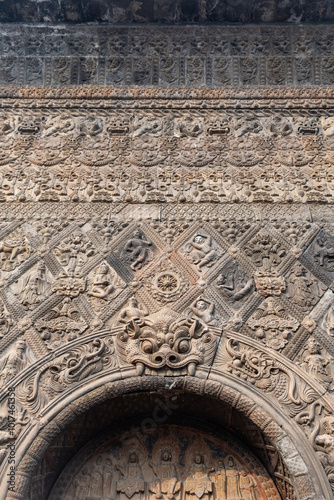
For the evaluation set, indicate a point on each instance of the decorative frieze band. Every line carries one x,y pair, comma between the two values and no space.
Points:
215,56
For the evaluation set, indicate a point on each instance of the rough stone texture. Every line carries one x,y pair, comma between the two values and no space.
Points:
173,11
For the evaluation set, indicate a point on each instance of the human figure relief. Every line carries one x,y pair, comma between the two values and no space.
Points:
232,480
201,251
316,364
247,486
234,283
204,311
198,484
220,481
166,484
302,290
133,311
82,485
34,286
6,321
103,283
132,482
96,485
329,322
136,250
107,479
11,363
324,445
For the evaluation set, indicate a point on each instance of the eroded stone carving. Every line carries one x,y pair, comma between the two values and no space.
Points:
13,251
303,289
68,285
6,321
132,312
132,481
266,373
316,364
74,251
269,283
166,282
34,286
264,252
235,284
61,373
166,484
17,357
198,484
202,251
137,250
204,311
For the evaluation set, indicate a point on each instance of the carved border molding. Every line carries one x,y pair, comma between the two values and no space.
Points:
112,92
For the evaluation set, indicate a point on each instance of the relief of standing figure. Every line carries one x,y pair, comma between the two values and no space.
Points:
166,484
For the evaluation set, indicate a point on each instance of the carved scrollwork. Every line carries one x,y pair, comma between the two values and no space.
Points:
64,371
264,371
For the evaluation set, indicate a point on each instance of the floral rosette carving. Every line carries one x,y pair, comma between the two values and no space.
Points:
166,341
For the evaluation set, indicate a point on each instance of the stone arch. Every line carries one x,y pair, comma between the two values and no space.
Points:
294,447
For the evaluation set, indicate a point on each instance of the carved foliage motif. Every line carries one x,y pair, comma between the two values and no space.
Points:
64,371
62,324
272,325
168,283
73,158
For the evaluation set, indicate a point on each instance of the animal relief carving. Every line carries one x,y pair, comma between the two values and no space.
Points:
166,341
13,251
77,364
262,370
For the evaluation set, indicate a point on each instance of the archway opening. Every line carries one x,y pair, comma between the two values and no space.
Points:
96,443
